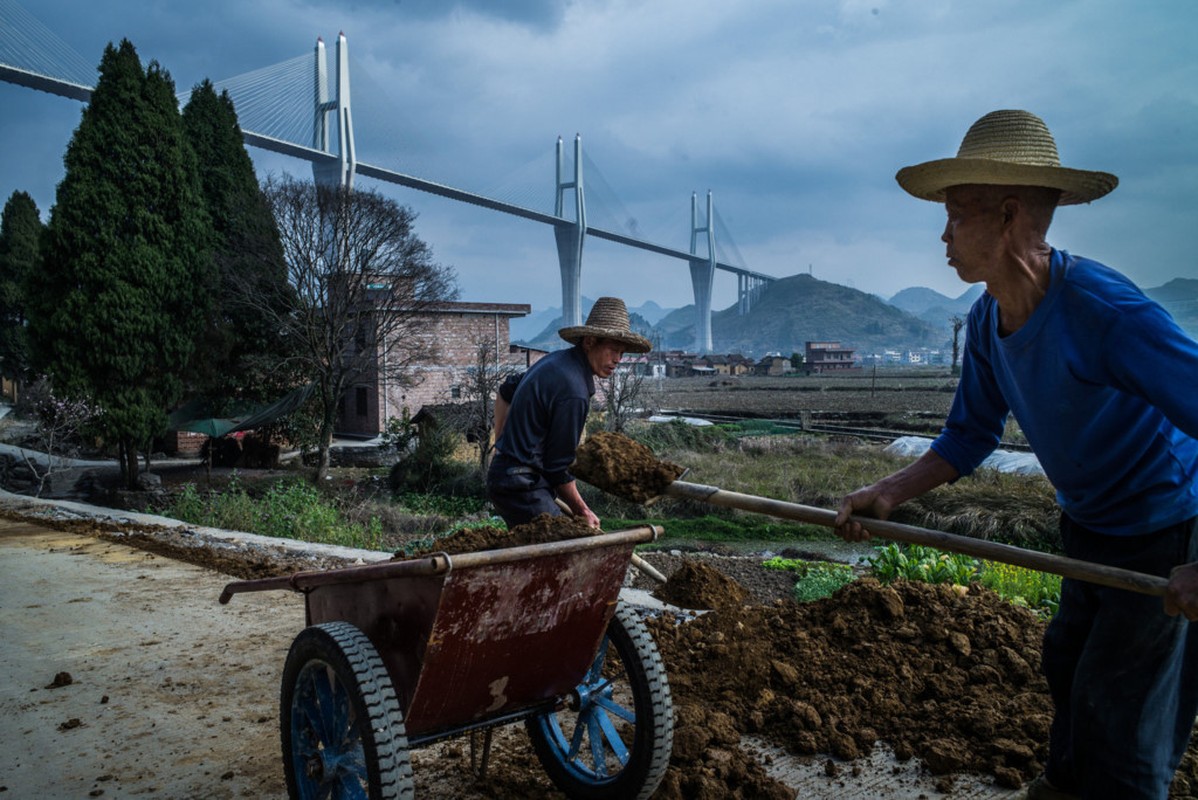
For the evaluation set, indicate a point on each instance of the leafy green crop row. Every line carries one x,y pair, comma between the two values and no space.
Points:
1037,590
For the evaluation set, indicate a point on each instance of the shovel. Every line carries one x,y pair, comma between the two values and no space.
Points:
979,548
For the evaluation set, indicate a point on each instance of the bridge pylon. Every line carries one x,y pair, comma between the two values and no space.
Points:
341,171
570,236
702,273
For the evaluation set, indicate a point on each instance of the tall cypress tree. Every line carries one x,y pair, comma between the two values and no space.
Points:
240,351
114,313
20,231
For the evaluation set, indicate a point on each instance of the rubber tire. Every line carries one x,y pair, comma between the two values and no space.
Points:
336,660
653,725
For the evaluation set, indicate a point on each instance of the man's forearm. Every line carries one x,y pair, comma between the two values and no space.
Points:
919,477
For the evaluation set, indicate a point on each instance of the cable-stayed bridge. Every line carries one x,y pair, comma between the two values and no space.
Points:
293,108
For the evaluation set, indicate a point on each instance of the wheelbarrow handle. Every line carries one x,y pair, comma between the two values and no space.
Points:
638,562
980,548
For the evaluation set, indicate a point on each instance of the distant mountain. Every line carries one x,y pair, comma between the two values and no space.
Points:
651,312
1180,298
548,338
919,299
794,310
525,328
933,307
543,325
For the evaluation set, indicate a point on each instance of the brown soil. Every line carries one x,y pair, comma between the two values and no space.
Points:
948,677
618,465
545,528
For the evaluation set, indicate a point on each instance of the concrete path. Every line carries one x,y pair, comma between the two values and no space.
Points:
170,694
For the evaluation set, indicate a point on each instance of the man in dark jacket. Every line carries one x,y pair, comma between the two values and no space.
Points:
540,416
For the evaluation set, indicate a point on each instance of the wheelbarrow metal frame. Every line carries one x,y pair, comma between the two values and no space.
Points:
476,639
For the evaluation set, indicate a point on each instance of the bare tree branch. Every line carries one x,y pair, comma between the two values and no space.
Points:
363,285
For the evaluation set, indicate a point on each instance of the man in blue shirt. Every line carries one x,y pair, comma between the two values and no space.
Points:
1103,384
540,416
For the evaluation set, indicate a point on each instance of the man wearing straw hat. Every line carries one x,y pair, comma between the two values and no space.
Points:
540,415
1103,384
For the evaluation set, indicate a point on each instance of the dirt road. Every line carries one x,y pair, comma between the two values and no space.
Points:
169,694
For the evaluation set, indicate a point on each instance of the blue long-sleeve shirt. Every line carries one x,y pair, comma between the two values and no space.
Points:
548,410
1104,385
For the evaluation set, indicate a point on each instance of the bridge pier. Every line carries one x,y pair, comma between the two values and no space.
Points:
570,237
748,290
702,274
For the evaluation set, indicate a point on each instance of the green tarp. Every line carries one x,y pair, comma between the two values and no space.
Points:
196,416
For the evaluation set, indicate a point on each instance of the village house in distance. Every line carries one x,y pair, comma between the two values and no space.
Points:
459,329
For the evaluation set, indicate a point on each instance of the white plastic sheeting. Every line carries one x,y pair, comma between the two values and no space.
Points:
1001,460
695,421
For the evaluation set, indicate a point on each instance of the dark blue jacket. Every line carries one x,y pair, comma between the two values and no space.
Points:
549,405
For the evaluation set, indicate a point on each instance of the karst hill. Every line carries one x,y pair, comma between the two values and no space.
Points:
801,308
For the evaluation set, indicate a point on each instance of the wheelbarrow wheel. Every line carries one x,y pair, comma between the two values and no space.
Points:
342,729
614,738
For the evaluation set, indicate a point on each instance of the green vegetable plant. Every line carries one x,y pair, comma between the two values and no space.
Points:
1038,591
815,579
918,563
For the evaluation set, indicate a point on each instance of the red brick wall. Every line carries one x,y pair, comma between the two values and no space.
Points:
457,336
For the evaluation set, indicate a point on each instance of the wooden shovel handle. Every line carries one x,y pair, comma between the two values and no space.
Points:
991,551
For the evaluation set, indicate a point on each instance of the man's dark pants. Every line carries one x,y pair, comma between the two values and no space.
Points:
1123,675
519,492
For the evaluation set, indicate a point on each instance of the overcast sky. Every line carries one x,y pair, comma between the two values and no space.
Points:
796,115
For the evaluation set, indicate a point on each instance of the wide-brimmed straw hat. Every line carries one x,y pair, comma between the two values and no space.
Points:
608,320
1006,148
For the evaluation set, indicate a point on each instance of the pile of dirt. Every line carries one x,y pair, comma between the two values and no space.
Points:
545,528
699,585
946,676
618,465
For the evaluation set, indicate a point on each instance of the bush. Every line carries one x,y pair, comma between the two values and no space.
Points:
429,465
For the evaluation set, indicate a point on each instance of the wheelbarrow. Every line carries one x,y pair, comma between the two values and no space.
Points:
402,654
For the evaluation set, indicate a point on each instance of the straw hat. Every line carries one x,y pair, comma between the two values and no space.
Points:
608,320
1006,148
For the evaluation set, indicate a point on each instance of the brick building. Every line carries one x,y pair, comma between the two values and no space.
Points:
458,329
827,357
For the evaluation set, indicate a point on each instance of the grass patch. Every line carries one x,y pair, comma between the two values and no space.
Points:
817,471
288,509
720,529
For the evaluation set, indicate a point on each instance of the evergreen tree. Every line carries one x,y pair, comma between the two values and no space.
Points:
240,352
20,231
115,310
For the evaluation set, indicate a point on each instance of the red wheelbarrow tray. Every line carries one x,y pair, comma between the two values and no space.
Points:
476,639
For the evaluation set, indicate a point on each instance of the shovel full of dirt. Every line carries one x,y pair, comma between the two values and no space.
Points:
628,469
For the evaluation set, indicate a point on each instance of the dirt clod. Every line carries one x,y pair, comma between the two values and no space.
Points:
697,585
623,467
60,679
